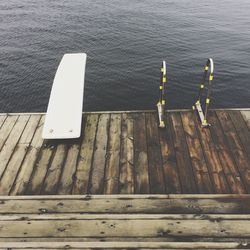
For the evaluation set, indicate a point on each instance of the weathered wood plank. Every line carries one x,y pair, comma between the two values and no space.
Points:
125,245
2,119
127,196
126,177
40,170
66,181
26,169
124,218
237,151
126,226
18,155
200,168
111,182
169,161
217,174
156,178
140,155
131,239
6,128
99,157
85,156
55,169
230,168
10,144
246,116
126,204
242,130
182,155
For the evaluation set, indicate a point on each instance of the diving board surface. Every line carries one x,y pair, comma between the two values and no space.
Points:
64,113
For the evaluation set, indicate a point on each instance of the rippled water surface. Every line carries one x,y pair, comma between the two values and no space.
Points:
125,40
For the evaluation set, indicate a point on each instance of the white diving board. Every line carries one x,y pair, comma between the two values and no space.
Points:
64,114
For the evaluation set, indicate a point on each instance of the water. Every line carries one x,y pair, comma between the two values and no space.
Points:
125,42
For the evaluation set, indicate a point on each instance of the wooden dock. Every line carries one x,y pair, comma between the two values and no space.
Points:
126,153
127,183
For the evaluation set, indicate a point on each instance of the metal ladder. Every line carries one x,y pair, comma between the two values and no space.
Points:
198,106
161,102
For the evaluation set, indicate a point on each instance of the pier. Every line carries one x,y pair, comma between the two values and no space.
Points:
126,183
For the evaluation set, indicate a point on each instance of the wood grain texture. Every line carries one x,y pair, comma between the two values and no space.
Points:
67,178
236,147
99,158
18,155
51,182
6,128
86,155
125,245
169,161
183,159
246,116
126,152
125,204
216,171
126,177
142,185
156,178
235,180
111,182
22,179
200,168
10,144
241,129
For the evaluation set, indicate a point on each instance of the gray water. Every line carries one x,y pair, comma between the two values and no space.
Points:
125,40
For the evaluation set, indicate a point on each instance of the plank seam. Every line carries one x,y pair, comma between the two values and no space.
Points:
105,163
233,156
84,119
12,153
229,148
92,159
188,153
29,144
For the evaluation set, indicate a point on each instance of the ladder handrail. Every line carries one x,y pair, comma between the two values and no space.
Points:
162,95
209,66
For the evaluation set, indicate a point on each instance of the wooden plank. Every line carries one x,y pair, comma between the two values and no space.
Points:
66,182
237,151
26,169
230,168
85,156
246,116
242,130
125,245
6,129
40,170
43,217
55,169
126,177
99,157
182,155
122,239
156,178
10,144
140,155
2,119
126,196
217,174
169,161
18,155
111,182
200,168
126,226
126,204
